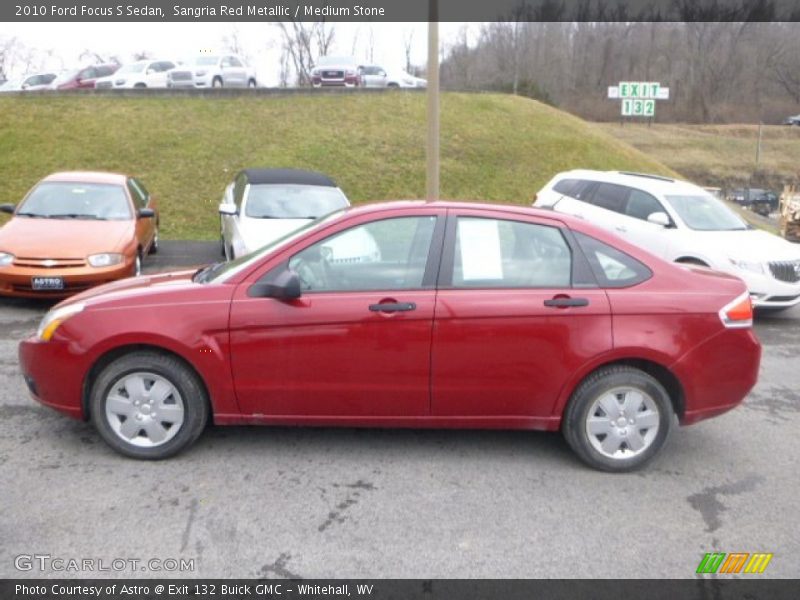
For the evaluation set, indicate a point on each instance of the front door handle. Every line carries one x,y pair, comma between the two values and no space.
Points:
392,307
566,302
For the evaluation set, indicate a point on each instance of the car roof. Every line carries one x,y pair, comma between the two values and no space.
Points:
88,177
655,184
287,176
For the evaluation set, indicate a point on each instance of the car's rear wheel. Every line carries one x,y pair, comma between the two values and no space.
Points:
148,405
618,418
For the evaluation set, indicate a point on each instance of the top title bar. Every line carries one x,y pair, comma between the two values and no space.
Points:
399,10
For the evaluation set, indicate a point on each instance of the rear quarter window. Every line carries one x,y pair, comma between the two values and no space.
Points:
611,267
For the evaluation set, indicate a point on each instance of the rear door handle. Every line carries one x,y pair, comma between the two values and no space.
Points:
392,307
566,302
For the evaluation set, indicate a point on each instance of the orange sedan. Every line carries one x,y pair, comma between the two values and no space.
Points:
75,230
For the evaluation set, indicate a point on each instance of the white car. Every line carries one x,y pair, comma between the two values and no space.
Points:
141,74
375,76
402,79
263,205
39,81
213,71
680,222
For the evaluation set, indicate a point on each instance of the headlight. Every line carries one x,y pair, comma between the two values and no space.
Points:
55,318
745,265
105,260
6,259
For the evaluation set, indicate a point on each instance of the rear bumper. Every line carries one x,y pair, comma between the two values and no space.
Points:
16,281
718,374
53,374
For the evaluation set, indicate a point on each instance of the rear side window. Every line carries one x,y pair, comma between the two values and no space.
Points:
611,197
612,268
574,188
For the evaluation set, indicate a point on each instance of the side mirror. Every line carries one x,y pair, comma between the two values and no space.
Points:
8,208
659,218
145,213
228,209
283,286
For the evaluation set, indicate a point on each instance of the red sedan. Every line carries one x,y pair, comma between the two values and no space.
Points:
408,315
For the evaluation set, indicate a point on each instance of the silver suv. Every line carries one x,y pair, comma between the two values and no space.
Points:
213,71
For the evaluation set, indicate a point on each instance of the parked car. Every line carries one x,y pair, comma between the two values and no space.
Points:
402,79
755,198
262,205
680,222
75,230
224,70
335,71
141,74
83,78
373,76
39,81
285,336
12,85
793,120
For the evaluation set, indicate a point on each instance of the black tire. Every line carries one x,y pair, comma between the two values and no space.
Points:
594,387
154,244
251,83
216,82
140,86
176,372
393,85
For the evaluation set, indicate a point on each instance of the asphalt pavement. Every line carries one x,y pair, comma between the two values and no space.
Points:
302,502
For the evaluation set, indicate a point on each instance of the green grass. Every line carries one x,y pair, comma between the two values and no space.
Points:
718,155
185,149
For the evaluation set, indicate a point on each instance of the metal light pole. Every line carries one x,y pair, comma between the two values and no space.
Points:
432,174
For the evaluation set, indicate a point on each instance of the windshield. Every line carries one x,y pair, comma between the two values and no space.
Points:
205,61
705,213
292,201
134,68
220,272
68,200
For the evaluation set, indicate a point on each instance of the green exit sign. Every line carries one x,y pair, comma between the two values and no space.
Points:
638,108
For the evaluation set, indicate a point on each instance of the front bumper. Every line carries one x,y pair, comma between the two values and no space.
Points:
17,281
53,374
769,292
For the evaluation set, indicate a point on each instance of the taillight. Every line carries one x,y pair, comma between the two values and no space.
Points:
738,313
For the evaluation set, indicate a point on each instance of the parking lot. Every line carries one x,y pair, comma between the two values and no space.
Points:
298,502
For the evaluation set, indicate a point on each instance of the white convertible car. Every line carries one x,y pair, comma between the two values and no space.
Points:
263,205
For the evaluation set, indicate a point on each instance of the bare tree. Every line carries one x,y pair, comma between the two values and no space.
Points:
408,44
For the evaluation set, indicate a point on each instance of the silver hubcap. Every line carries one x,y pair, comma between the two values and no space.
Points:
622,422
138,266
144,409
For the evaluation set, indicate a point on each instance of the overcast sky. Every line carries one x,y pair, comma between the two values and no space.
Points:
59,45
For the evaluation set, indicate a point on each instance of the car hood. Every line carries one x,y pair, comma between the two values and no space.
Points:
751,245
134,286
260,232
63,238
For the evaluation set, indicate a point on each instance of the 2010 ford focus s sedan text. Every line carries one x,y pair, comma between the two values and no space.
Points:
464,316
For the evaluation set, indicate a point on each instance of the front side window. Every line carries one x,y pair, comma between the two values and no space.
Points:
138,193
641,205
273,201
68,200
612,268
492,253
390,254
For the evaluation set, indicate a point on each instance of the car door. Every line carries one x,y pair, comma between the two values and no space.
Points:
517,312
145,227
633,225
233,72
357,342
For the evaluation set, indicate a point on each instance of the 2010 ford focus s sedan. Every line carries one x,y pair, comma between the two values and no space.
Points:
465,316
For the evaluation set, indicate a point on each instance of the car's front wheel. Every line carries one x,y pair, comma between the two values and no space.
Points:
148,405
217,82
618,418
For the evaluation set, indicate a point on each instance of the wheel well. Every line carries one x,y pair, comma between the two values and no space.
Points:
112,355
663,375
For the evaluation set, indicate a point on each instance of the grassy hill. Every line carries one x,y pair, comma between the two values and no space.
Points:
718,155
185,149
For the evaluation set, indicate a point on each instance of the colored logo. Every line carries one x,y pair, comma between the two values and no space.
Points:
735,562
